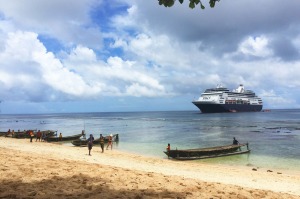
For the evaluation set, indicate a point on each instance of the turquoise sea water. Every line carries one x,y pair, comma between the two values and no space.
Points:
274,137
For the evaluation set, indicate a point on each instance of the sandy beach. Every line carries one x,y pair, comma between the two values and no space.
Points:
46,170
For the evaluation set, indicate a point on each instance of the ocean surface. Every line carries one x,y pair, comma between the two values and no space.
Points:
273,137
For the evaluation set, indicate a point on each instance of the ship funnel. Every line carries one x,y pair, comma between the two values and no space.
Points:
240,89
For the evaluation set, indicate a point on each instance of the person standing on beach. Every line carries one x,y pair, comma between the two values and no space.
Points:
38,136
43,136
90,143
8,133
60,136
102,142
83,134
31,135
109,142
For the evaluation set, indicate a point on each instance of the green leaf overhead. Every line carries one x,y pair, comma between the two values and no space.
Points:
192,4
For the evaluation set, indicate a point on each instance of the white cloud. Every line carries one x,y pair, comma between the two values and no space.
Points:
139,91
82,55
67,21
128,20
276,100
255,46
252,47
82,76
28,67
116,76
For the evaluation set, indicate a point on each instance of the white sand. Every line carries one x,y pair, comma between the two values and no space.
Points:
45,170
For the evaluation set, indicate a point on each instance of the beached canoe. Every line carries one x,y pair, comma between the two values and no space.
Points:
84,142
3,133
211,152
11,133
64,138
25,134
7,133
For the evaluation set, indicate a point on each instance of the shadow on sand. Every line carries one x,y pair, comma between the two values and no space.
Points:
79,186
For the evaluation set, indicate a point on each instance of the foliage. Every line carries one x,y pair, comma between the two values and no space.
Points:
192,4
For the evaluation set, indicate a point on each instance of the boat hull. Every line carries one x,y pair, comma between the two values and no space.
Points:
223,108
67,138
210,156
25,134
219,151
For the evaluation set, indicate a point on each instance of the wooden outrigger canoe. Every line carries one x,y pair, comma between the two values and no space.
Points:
3,133
14,134
211,152
84,142
63,139
25,134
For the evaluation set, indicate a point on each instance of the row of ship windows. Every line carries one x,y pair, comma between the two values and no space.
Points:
242,95
236,102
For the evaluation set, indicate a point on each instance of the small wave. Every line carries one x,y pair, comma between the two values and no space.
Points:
153,119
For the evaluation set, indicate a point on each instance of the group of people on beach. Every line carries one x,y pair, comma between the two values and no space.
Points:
40,136
91,139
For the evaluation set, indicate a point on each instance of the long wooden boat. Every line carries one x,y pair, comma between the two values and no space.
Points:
21,134
211,152
7,133
3,133
84,142
25,134
14,134
64,138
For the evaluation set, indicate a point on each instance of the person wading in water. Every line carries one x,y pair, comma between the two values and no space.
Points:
109,142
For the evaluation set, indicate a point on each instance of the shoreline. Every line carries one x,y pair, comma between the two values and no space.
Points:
133,174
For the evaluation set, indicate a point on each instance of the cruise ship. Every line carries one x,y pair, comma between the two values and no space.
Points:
220,99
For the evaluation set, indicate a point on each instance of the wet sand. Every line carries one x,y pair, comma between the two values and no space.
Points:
46,170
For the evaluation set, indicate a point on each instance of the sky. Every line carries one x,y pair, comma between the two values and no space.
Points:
63,56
